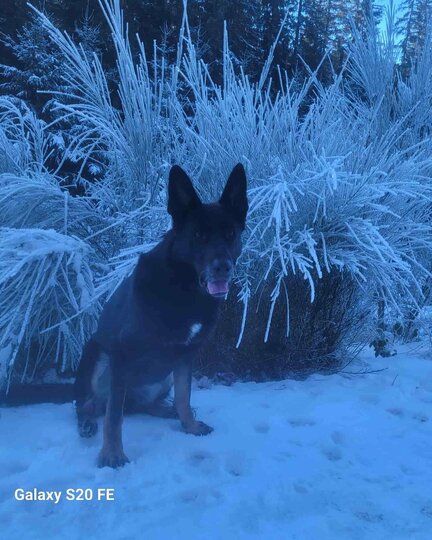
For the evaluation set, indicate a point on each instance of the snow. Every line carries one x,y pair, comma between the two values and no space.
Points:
331,457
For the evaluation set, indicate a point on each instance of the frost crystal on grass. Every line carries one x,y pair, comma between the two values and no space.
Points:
45,282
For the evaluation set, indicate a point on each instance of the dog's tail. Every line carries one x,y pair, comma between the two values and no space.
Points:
85,401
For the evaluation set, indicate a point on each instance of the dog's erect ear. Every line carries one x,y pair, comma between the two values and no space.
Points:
182,197
234,195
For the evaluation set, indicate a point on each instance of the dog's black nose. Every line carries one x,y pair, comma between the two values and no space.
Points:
221,268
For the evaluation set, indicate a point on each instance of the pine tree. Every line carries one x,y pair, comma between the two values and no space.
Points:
412,25
274,13
88,33
362,11
37,64
315,37
328,27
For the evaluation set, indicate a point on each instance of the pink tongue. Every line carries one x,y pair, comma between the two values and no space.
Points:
217,287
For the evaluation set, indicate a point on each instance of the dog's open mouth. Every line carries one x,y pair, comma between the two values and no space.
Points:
219,289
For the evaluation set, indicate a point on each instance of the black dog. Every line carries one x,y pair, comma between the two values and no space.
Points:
156,320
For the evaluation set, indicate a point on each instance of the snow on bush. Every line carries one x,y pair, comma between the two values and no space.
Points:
339,181
23,147
45,281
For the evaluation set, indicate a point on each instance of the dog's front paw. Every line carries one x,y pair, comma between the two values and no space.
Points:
112,458
197,428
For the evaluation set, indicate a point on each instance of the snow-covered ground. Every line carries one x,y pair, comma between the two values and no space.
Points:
328,458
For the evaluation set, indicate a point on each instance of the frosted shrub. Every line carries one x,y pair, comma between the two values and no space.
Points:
45,281
37,288
340,198
339,186
23,146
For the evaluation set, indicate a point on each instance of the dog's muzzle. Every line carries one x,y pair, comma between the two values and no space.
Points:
218,277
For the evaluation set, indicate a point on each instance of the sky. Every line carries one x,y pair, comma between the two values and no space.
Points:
386,4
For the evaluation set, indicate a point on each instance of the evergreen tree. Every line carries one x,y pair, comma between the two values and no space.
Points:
311,27
362,11
88,33
37,64
32,63
273,14
328,27
412,25
315,37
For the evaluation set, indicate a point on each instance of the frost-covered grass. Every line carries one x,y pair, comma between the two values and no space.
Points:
45,280
339,457
339,178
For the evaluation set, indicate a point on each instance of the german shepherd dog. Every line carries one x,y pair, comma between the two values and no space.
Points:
154,323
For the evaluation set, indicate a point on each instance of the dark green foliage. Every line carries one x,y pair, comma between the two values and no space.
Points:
310,28
37,65
412,26
319,331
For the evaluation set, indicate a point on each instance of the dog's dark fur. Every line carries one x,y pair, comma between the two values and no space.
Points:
156,320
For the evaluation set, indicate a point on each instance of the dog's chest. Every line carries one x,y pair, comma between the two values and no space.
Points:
187,331
193,333
182,320
169,342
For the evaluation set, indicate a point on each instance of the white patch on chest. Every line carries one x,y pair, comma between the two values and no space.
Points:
193,331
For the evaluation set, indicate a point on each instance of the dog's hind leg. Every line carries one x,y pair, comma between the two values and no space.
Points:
151,399
161,409
88,406
86,416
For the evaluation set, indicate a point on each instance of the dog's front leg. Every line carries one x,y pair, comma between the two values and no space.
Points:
182,394
112,454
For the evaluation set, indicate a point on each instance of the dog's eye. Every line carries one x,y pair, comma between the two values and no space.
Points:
200,236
